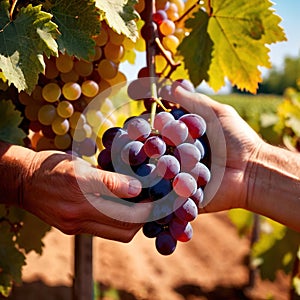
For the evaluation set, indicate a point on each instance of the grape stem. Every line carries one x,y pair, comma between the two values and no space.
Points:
13,6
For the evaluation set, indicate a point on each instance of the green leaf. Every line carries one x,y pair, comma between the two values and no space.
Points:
228,39
240,31
31,234
23,42
9,122
196,48
78,22
242,219
120,16
11,260
277,248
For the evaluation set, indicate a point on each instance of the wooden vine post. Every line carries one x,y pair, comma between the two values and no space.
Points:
83,284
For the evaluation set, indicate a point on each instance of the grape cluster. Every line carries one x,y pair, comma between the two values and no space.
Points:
170,160
56,107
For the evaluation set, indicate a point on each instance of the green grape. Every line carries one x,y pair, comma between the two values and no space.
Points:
31,112
60,126
89,88
51,92
51,70
102,38
104,88
170,42
71,90
62,142
119,79
25,99
83,68
115,38
97,55
94,117
65,109
113,52
172,11
45,143
80,135
128,44
77,120
47,114
64,63
70,76
37,94
180,5
167,27
107,69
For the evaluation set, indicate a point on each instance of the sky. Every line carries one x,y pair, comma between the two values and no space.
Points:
289,11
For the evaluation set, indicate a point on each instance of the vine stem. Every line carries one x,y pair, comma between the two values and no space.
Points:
150,55
13,6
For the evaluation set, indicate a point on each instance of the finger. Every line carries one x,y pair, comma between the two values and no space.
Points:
111,184
105,231
196,103
118,212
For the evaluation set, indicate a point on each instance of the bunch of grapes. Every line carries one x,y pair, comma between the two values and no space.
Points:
170,160
57,105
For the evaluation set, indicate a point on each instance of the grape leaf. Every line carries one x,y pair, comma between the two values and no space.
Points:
120,15
11,260
31,234
197,47
78,22
23,41
239,32
9,122
242,219
277,250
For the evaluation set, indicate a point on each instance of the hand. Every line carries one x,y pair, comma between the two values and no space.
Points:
233,142
68,194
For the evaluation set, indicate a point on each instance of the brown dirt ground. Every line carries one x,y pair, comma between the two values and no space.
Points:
211,266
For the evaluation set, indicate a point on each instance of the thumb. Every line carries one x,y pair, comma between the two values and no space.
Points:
112,184
196,103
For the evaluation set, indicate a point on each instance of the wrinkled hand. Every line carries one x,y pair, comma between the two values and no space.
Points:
68,194
233,142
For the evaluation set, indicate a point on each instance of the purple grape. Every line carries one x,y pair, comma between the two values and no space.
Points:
137,91
188,155
165,92
184,184
167,166
181,230
159,16
87,147
161,119
188,211
133,153
152,229
200,147
104,160
174,133
138,129
146,174
109,135
165,243
119,142
177,113
195,124
160,189
201,173
154,147
198,197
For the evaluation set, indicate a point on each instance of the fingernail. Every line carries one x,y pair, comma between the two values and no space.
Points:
134,187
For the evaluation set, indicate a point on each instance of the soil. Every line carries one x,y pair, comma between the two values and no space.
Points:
213,266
